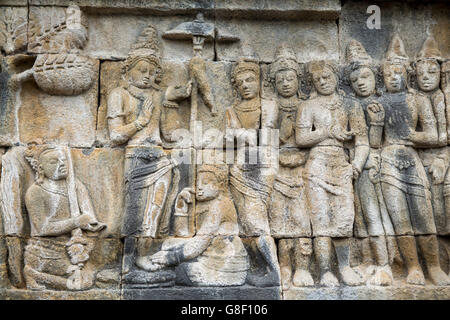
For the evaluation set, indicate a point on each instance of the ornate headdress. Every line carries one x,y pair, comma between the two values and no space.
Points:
429,51
33,153
248,62
145,48
396,53
285,59
356,54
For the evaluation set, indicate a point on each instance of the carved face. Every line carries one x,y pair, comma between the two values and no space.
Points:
324,81
142,74
207,186
286,82
394,76
54,164
363,81
428,75
247,84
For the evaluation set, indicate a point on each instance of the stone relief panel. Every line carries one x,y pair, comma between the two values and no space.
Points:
211,153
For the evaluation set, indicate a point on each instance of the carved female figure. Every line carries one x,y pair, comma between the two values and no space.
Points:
403,178
322,125
138,113
289,219
362,77
215,256
435,160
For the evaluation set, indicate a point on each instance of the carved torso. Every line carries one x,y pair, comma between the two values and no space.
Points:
127,104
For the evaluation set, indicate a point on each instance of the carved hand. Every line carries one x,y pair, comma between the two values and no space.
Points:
179,93
183,198
146,112
87,222
160,258
437,170
339,134
356,171
376,112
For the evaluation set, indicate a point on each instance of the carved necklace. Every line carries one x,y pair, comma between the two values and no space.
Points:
248,106
336,102
137,93
54,189
288,105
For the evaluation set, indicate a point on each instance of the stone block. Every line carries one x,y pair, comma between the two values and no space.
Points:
311,39
68,119
203,293
102,172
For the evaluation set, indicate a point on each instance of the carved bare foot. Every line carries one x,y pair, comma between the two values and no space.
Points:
30,280
438,276
302,278
286,275
382,277
365,270
415,276
350,277
79,279
329,280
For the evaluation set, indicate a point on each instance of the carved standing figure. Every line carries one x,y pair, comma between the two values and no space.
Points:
288,213
403,178
322,125
59,209
361,74
251,183
215,256
435,160
138,113
445,86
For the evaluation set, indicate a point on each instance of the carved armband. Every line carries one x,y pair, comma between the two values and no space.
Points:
377,123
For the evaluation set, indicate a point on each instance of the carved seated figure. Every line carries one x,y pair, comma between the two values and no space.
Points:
215,256
59,209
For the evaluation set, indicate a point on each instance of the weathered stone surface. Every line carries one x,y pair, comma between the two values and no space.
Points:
103,294
10,96
70,119
396,17
311,39
400,292
18,3
111,43
224,150
13,29
100,170
206,293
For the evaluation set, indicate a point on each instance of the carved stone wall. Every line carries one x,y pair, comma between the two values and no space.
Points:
224,149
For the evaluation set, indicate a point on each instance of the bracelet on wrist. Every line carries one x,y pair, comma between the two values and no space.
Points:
138,126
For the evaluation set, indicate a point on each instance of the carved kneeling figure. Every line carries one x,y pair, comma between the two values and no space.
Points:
215,256
59,209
